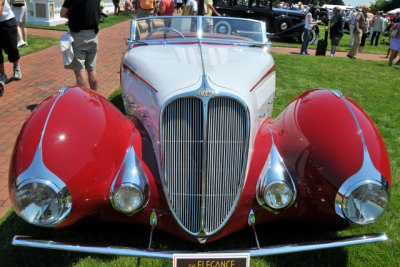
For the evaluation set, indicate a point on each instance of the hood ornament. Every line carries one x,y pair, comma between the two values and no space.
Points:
205,93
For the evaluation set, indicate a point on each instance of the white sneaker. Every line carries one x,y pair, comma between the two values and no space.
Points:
3,78
21,43
17,73
332,55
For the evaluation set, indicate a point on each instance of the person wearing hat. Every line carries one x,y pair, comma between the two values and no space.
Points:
360,26
378,28
397,18
352,22
336,29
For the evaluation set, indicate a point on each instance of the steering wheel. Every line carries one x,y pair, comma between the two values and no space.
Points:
165,30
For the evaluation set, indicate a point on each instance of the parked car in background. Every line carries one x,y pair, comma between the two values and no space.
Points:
198,154
279,22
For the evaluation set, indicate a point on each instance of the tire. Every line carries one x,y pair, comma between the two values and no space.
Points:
223,27
313,38
282,24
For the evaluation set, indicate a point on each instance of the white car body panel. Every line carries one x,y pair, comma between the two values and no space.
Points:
229,69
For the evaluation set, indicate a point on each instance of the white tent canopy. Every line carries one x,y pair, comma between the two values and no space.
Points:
394,11
340,6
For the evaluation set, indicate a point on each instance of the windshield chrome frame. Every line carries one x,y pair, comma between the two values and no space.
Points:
199,32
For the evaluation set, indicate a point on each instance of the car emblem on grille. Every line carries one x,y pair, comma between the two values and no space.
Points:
205,93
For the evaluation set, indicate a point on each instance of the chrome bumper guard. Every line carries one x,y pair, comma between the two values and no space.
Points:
25,241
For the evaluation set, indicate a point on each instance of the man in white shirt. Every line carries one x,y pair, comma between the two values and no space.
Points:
194,5
352,21
378,28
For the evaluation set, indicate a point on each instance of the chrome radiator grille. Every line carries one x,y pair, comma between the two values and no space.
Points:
183,160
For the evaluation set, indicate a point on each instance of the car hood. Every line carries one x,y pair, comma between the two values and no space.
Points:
178,68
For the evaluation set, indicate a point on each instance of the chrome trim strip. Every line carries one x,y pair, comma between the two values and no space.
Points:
199,31
25,241
38,172
205,86
355,119
137,75
205,100
63,90
336,92
274,170
131,172
270,71
367,174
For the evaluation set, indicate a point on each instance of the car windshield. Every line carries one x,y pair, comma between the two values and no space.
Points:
195,27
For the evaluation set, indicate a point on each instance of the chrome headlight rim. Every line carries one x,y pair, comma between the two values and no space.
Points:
278,182
342,198
141,204
283,26
61,191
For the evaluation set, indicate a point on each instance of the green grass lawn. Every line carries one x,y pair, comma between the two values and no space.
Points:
380,49
35,43
110,21
373,85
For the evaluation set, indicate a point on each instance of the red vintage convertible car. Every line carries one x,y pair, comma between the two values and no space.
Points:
198,154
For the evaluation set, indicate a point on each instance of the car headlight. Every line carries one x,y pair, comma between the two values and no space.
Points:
128,198
41,202
129,192
278,195
365,202
284,26
275,190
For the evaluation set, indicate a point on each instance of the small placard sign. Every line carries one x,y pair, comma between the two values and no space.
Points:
212,260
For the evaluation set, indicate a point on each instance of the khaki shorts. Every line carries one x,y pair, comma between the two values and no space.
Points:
85,50
335,40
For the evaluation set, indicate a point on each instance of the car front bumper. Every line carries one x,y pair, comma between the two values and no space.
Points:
162,254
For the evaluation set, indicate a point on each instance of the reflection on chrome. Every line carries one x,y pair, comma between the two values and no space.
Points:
352,201
363,197
275,190
41,198
129,193
153,253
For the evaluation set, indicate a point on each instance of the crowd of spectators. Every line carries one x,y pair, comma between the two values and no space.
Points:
360,24
358,21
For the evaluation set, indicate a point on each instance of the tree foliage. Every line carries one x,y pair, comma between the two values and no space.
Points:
385,5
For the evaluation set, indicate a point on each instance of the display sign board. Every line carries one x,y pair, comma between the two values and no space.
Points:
212,260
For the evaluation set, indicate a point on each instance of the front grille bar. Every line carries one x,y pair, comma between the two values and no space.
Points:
203,163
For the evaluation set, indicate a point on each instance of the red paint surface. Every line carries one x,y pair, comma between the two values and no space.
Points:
316,135
134,73
263,77
28,139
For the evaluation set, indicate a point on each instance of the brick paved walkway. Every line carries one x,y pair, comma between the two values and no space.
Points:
43,75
